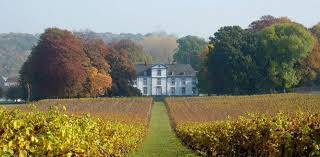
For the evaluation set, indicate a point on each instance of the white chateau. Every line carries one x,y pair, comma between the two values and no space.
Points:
166,79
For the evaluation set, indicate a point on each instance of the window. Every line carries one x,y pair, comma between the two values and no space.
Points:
145,73
158,72
194,81
173,81
183,80
158,81
183,90
173,90
144,81
145,90
194,90
171,73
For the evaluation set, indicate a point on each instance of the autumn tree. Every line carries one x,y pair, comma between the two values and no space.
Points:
122,72
189,51
266,21
97,83
56,66
316,30
98,71
310,66
135,51
161,46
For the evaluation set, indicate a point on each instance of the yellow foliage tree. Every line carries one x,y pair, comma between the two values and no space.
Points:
98,82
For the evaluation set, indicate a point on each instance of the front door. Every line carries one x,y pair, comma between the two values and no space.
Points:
159,91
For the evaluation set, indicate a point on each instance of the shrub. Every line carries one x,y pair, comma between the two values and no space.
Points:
255,135
54,133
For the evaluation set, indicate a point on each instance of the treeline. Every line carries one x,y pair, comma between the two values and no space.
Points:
152,47
63,65
271,55
14,50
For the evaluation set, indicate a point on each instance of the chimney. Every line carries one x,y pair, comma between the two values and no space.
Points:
145,63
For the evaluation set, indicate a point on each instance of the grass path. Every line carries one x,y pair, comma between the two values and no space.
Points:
161,140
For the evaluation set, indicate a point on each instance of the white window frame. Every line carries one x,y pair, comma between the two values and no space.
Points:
145,81
159,72
145,90
173,91
158,81
183,81
173,81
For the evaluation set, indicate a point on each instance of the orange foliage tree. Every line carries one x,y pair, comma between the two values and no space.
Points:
97,83
63,66
99,80
55,67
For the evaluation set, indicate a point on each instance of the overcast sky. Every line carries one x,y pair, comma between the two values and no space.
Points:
180,17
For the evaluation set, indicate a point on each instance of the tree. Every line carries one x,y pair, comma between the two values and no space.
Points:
231,69
160,46
56,66
98,72
1,92
316,30
203,70
308,68
189,51
14,93
97,83
282,46
135,51
266,21
122,72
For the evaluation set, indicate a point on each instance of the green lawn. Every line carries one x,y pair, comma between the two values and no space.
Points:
161,140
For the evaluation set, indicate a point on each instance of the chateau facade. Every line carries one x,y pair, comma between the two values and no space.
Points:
166,79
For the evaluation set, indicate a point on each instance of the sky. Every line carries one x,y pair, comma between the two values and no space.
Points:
179,17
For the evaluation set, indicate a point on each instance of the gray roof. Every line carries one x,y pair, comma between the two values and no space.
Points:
172,69
13,79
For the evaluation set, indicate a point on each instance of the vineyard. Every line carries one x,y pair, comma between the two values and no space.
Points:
262,125
74,127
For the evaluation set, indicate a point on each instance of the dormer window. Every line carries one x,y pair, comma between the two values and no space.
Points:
194,81
159,72
173,81
171,73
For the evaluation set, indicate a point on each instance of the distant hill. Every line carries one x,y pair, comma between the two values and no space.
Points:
14,50
110,37
16,47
